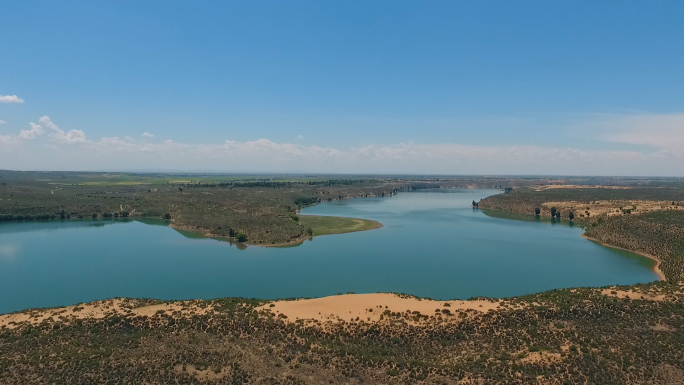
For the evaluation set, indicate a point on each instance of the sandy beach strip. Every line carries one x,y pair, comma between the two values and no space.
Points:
369,307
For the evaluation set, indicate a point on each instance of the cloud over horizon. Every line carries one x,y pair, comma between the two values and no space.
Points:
55,133
73,150
662,132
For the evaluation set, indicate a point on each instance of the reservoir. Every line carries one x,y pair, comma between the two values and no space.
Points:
433,244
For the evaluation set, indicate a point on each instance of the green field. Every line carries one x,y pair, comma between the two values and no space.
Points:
336,225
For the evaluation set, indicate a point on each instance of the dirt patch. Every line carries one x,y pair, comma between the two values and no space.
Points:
663,328
631,294
203,375
99,310
543,358
96,310
182,308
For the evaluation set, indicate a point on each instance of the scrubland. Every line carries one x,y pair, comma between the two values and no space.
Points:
617,335
614,335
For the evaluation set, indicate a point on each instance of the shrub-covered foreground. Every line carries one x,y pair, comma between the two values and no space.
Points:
580,336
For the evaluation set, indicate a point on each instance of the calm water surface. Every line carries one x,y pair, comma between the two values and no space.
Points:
433,245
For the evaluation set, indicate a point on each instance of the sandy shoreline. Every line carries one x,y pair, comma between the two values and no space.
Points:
370,307
656,267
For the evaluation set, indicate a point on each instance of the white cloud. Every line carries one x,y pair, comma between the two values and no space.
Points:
147,135
59,136
6,139
300,136
47,123
34,132
71,137
266,155
3,122
263,155
663,132
10,99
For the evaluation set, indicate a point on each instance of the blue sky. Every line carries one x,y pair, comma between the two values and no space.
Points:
353,86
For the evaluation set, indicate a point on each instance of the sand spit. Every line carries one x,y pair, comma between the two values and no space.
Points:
369,307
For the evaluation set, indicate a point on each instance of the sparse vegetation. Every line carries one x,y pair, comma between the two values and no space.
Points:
574,336
623,335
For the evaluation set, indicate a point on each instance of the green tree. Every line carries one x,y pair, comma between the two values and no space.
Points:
537,211
571,216
309,231
553,211
241,237
167,216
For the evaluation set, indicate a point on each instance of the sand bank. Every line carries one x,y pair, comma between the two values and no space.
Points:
369,307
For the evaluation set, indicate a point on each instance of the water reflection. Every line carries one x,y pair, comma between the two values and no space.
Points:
431,245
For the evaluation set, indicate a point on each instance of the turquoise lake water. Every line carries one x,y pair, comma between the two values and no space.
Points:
433,244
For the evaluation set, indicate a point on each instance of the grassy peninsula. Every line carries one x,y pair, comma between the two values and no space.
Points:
323,225
315,226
